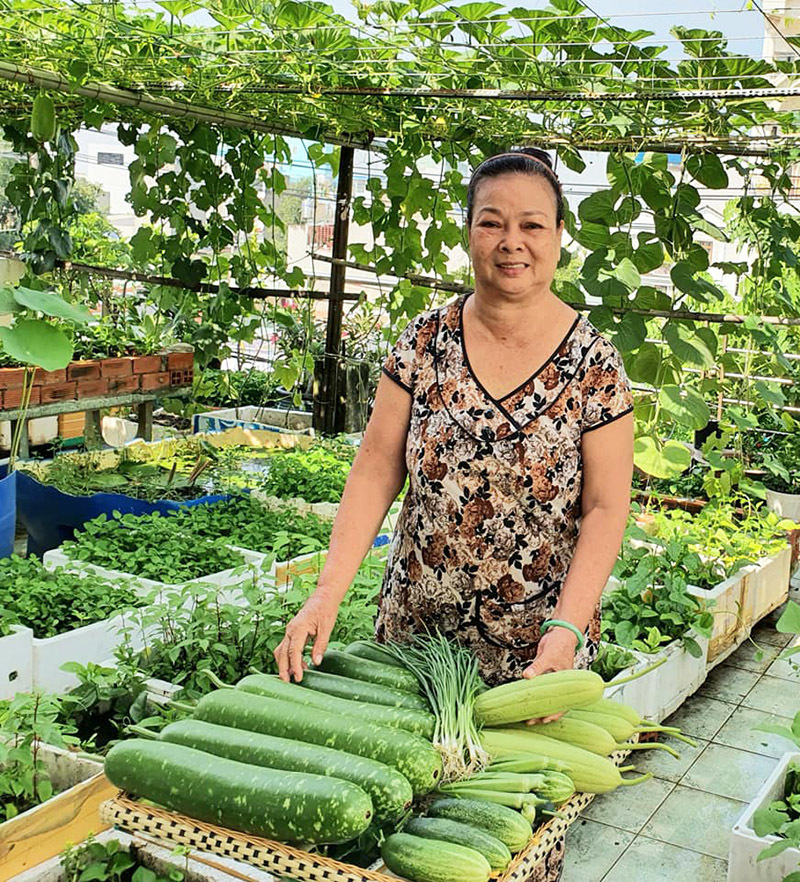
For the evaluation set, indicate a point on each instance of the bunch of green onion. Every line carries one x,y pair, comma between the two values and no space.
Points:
448,676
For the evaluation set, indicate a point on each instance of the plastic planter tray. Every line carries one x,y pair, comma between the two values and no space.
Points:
661,692
787,505
745,846
69,816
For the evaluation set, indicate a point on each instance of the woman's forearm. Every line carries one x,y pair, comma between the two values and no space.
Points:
372,486
595,554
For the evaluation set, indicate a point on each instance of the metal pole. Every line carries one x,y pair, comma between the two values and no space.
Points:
330,385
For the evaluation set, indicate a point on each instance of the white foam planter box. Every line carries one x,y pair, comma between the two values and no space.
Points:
766,585
730,628
270,419
745,846
74,780
787,505
158,858
253,567
623,691
663,690
16,662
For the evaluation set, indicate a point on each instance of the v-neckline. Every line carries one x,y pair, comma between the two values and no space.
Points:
499,401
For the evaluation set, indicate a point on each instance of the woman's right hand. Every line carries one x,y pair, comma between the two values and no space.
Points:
316,619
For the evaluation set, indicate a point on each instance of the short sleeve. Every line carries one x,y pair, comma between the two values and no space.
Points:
401,363
606,389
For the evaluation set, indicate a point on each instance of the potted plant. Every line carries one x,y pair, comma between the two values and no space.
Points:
781,463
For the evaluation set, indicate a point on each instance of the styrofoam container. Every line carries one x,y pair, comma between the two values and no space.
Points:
65,770
730,629
16,662
745,846
619,692
662,691
787,505
766,585
41,430
90,644
160,859
228,579
271,419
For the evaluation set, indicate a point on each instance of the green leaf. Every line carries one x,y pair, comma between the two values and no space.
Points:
142,874
646,367
648,256
770,393
8,303
770,819
708,169
775,849
598,208
685,405
592,236
666,459
687,345
35,342
627,273
630,332
95,871
49,303
789,622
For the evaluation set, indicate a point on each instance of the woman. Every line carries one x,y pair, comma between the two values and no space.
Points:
512,418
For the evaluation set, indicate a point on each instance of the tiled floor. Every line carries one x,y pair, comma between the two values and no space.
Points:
677,825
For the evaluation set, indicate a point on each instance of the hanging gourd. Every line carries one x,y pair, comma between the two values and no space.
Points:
43,118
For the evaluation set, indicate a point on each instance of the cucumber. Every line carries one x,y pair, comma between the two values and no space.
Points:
360,690
389,791
411,755
374,652
419,722
336,662
427,860
495,851
502,822
288,806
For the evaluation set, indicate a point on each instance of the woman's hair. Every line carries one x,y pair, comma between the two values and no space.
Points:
527,161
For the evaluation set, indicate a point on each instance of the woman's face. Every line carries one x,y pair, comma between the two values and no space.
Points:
514,242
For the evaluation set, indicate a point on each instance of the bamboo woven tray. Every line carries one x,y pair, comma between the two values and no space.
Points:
303,866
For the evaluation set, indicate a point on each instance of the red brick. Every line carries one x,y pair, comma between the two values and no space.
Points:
178,361
12,398
155,381
180,378
116,367
51,378
147,364
92,388
59,392
121,385
11,378
83,370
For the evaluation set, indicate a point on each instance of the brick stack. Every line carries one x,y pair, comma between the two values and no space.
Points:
95,379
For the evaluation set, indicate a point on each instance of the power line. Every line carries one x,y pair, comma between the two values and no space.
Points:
777,30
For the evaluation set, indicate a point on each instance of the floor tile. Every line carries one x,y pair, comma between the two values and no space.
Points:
765,633
662,764
727,771
774,696
753,658
728,683
786,669
739,731
696,820
592,849
701,717
649,861
629,808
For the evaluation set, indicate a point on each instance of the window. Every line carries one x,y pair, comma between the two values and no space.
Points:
110,159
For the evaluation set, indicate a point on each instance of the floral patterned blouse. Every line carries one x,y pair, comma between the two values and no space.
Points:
489,526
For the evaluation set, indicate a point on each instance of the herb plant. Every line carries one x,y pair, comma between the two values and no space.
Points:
108,862
646,614
52,602
610,660
248,523
26,722
315,475
153,546
195,631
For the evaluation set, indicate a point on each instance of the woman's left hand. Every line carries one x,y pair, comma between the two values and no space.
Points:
556,653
